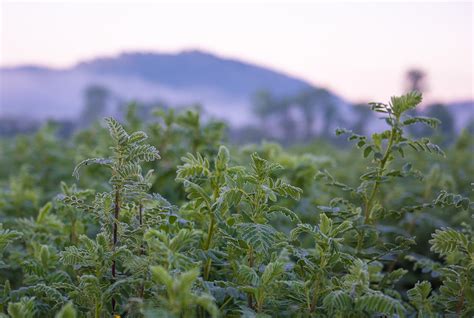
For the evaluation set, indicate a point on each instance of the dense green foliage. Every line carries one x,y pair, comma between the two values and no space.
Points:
384,229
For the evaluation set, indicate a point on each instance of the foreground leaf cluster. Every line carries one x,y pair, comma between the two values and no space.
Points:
257,233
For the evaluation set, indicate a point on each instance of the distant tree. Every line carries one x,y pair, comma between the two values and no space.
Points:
445,131
287,122
469,130
95,103
270,108
140,111
263,105
313,102
415,80
330,111
13,126
307,101
441,112
361,120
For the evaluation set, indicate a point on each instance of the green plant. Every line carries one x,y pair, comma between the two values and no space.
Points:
236,237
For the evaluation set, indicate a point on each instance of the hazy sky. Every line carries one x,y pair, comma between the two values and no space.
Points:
360,50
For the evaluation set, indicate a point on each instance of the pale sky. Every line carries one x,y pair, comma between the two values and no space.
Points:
359,50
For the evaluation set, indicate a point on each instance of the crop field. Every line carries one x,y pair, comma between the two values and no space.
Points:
166,218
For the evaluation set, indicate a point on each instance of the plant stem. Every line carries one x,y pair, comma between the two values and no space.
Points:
73,235
314,301
140,214
97,310
460,304
225,303
385,157
260,301
115,236
142,247
210,233
251,260
207,244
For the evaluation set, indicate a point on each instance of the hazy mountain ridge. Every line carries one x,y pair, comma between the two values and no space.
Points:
196,69
223,86
462,112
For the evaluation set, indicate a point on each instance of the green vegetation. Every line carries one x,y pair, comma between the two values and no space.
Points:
384,229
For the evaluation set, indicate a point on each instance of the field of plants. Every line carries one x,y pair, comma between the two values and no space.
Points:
164,218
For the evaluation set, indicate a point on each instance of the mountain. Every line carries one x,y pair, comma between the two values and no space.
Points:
463,114
195,70
223,86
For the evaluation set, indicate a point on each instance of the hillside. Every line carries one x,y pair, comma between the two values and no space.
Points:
195,69
223,86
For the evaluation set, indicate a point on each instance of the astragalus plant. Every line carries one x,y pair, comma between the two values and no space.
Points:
235,242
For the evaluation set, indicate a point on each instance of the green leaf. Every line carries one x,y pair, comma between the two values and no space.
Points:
141,153
194,166
43,212
378,303
418,295
338,300
405,102
447,240
118,134
342,228
160,275
367,151
272,272
285,211
186,280
196,192
67,311
7,236
222,159
86,162
261,237
431,122
325,224
25,308
137,137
